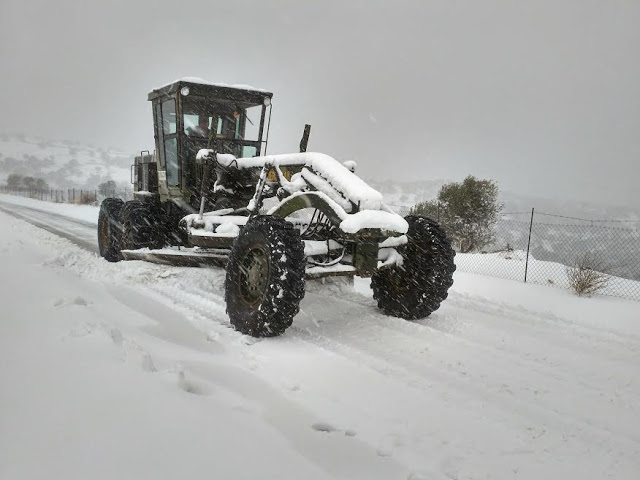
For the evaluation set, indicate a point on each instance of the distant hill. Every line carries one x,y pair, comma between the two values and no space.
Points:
63,164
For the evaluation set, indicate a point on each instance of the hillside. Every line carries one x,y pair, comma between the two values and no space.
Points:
63,164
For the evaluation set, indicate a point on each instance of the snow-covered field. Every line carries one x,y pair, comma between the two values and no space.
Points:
131,370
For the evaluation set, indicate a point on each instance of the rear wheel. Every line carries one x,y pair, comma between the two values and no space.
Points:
265,277
110,229
416,288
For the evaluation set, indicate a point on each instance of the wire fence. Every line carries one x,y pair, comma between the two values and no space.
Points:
548,249
69,195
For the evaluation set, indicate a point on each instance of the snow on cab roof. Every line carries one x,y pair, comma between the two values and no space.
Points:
201,81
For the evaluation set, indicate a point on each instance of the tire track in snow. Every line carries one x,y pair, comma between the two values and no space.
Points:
80,233
446,386
542,319
376,351
565,372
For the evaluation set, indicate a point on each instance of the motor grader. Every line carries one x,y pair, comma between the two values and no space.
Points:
209,195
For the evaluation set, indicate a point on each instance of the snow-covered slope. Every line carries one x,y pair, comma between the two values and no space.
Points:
131,370
62,164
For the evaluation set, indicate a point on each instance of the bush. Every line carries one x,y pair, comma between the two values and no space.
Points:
588,275
467,211
87,197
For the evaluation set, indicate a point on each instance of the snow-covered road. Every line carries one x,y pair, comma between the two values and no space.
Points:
131,370
76,230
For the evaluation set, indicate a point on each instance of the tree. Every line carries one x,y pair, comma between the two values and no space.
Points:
468,212
29,182
14,180
107,189
41,184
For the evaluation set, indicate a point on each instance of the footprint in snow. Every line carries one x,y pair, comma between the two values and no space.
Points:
389,444
79,301
116,336
191,386
147,363
328,428
81,329
323,427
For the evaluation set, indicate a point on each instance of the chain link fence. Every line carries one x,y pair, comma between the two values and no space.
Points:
549,249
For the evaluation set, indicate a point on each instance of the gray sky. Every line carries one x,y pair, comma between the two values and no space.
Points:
541,96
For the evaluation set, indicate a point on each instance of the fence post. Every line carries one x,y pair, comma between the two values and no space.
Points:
526,265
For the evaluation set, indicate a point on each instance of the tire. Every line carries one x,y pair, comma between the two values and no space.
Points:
416,288
110,229
265,277
139,227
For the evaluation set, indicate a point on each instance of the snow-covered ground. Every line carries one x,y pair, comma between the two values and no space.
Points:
511,265
131,370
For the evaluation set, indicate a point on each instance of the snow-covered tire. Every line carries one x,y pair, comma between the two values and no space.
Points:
265,277
110,229
416,288
139,228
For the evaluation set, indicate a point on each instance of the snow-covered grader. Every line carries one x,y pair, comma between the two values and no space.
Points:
208,196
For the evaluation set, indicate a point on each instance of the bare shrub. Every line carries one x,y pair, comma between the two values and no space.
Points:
87,198
588,275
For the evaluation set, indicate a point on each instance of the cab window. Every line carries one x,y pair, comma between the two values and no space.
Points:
171,158
169,116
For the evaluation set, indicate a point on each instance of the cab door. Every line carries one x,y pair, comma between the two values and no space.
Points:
166,130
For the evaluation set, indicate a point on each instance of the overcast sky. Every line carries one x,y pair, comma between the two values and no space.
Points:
541,96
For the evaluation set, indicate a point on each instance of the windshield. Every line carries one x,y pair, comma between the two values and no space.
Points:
228,120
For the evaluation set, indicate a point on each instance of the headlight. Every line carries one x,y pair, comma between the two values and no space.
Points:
184,91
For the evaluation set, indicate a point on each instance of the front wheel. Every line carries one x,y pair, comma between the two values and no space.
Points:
265,277
416,288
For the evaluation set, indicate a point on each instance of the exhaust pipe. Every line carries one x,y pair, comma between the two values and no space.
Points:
305,138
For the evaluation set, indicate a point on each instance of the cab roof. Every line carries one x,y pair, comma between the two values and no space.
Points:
199,87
